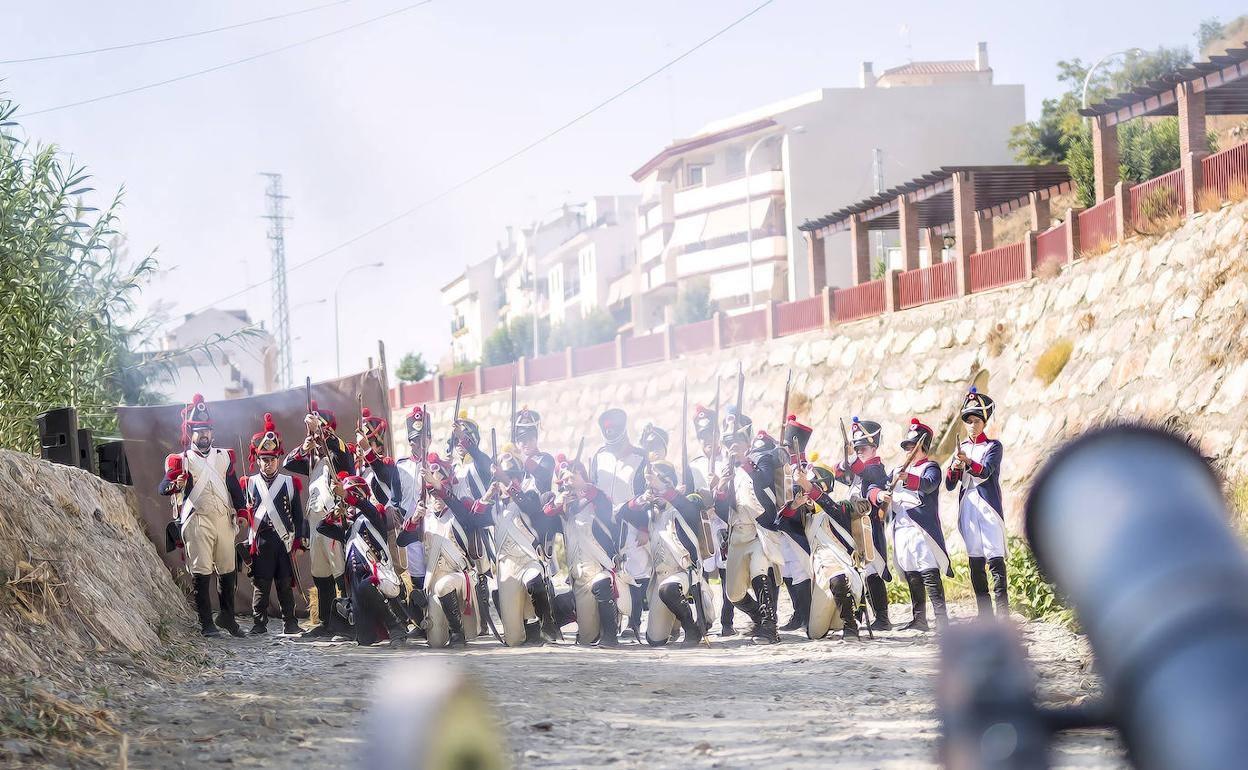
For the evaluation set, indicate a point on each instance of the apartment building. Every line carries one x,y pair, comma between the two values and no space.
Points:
723,207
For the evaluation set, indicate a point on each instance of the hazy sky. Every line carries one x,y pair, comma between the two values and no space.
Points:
371,122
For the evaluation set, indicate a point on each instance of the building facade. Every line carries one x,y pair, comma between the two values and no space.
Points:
227,356
722,209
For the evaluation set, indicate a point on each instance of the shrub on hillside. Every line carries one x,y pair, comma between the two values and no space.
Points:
1053,361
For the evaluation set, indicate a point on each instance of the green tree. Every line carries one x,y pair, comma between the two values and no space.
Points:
508,342
596,327
694,303
412,368
1209,30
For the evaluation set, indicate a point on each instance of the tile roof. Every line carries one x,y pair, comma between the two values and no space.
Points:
932,68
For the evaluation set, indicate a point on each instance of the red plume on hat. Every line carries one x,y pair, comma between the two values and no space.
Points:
194,417
328,416
373,427
266,443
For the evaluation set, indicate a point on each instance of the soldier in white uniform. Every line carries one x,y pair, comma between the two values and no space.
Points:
444,523
743,499
796,572
521,529
672,520
210,504
321,457
591,537
705,423
976,474
615,469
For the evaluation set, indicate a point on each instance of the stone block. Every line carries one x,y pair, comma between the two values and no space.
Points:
964,330
1096,375
1233,391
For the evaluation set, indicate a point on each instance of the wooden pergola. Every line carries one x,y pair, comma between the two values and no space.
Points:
1218,86
958,199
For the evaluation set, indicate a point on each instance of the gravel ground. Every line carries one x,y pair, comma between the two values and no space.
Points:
279,702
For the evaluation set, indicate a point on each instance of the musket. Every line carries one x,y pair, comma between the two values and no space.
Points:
580,447
513,410
459,395
845,441
685,475
784,419
897,475
715,432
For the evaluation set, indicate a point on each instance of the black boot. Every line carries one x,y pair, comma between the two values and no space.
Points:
877,594
454,622
845,608
203,604
918,603
286,602
608,614
541,605
791,623
766,589
226,585
726,613
936,592
979,582
674,599
326,592
750,606
396,621
260,606
418,602
1000,588
801,607
340,625
638,596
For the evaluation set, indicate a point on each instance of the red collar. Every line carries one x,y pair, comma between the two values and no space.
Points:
982,438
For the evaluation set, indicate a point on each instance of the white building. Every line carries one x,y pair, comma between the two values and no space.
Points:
221,363
796,160
557,269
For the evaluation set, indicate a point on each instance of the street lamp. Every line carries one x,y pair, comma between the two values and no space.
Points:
1087,79
337,341
320,301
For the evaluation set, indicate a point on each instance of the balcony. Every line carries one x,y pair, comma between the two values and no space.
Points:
731,191
458,326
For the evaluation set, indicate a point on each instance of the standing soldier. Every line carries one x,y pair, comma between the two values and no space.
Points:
981,515
672,520
383,477
591,539
861,473
321,457
743,499
211,500
538,465
705,423
615,470
410,537
914,528
796,573
276,533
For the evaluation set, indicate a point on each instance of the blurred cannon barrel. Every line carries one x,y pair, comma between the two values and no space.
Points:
1130,524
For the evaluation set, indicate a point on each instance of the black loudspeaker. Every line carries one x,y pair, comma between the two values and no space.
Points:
58,435
112,462
86,450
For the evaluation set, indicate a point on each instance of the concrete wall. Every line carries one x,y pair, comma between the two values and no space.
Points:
1158,328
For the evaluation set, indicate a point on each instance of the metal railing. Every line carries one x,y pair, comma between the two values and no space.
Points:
1098,225
998,267
927,284
861,301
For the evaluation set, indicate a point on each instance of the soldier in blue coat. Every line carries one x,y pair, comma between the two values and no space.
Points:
914,529
976,473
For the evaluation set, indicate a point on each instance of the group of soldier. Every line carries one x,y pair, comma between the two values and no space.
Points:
545,541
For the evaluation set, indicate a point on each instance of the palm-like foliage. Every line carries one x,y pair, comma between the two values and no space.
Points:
68,296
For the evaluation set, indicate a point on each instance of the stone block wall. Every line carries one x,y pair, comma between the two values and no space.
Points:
1158,328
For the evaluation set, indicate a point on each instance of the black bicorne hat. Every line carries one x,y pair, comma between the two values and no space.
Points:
977,404
865,433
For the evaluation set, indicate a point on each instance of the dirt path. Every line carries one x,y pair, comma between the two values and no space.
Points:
284,703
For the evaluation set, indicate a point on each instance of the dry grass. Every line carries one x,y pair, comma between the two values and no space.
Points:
996,340
1159,213
1208,200
1049,268
1053,361
1237,500
1095,249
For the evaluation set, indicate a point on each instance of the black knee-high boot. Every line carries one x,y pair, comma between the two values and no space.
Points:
286,602
726,614
260,605
326,592
1000,588
936,592
788,589
674,599
845,607
226,585
454,622
918,603
608,614
766,589
201,585
541,605
877,594
979,582
417,602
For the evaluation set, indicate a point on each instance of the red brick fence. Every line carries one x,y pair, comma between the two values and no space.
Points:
1225,175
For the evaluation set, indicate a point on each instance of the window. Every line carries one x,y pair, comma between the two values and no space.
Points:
734,161
695,176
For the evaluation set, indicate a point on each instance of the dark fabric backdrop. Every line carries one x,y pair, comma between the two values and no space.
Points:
152,432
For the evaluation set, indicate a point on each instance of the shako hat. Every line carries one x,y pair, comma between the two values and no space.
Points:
917,434
267,442
864,433
195,417
977,404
